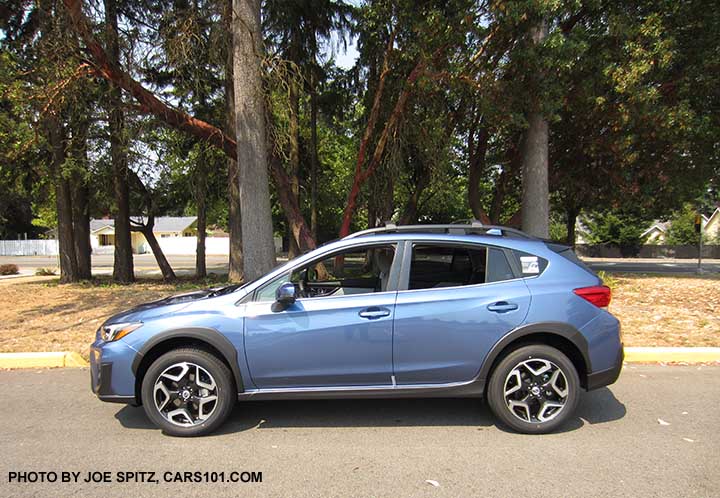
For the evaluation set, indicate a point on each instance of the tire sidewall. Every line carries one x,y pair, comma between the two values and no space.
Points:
223,380
496,388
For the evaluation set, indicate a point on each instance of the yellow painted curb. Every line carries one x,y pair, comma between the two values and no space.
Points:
668,355
41,360
632,355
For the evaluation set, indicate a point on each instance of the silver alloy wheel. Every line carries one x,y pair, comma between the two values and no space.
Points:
536,390
185,394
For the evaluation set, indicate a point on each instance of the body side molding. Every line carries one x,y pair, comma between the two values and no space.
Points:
469,389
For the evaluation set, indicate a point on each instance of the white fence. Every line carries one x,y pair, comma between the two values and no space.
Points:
170,246
187,245
213,245
32,247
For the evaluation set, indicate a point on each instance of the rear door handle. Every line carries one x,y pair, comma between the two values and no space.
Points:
502,307
374,312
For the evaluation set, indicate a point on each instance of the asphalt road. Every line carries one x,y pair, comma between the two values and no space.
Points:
653,266
185,265
616,446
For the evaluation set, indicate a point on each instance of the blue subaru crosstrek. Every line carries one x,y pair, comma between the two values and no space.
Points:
399,311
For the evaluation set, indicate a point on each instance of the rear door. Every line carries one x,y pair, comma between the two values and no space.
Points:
455,302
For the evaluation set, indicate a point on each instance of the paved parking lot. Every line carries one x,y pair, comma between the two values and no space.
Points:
615,447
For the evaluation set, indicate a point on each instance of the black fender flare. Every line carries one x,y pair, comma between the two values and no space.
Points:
208,335
553,328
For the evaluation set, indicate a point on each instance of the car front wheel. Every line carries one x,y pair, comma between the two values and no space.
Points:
188,392
534,389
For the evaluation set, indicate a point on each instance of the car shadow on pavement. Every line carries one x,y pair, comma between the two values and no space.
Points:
595,407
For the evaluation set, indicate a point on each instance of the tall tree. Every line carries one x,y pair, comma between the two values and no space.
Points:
252,145
123,263
235,262
536,192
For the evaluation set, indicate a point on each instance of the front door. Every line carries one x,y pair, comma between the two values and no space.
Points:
337,333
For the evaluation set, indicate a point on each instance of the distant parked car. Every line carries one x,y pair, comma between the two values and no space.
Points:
408,311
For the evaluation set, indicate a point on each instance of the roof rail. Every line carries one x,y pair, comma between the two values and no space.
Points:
474,227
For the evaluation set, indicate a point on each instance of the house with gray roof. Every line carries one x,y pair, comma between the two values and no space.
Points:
102,232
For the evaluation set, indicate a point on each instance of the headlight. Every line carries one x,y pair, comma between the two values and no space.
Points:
118,330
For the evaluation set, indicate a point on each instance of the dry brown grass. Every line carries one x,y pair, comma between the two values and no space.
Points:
668,310
40,315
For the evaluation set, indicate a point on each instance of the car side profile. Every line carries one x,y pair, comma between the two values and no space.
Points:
398,311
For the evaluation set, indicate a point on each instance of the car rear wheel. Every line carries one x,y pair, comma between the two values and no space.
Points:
188,392
534,389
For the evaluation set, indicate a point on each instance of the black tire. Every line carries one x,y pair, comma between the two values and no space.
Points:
496,389
225,389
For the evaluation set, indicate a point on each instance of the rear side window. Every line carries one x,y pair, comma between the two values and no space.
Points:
438,266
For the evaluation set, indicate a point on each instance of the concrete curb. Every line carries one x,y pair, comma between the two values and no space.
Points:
668,355
632,355
41,360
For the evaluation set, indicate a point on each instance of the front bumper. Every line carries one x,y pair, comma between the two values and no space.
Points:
111,378
603,378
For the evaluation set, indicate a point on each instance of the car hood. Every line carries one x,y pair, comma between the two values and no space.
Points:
171,304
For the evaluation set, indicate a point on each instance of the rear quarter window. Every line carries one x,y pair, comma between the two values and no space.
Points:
529,264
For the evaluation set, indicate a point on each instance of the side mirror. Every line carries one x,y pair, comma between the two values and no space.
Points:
285,294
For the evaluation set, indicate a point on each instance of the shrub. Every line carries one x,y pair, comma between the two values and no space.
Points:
617,229
682,228
44,272
9,270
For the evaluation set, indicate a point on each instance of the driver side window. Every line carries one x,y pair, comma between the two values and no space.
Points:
354,271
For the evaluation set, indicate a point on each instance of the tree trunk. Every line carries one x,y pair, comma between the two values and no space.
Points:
294,132
147,230
536,195
54,133
477,144
81,230
81,195
257,226
63,203
571,215
235,263
201,199
66,242
123,264
420,181
290,207
314,160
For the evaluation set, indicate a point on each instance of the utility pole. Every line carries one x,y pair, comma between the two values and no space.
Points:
698,229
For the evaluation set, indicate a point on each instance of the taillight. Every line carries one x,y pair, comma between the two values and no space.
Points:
599,295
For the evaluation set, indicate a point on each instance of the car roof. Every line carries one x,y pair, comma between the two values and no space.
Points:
511,242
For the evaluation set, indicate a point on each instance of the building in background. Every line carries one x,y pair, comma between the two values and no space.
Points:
102,232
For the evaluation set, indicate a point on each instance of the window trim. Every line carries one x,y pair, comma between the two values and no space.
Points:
395,269
404,283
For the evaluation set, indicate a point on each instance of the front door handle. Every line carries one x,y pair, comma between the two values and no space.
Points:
374,312
502,307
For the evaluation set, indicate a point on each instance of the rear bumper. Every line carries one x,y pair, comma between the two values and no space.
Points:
608,376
